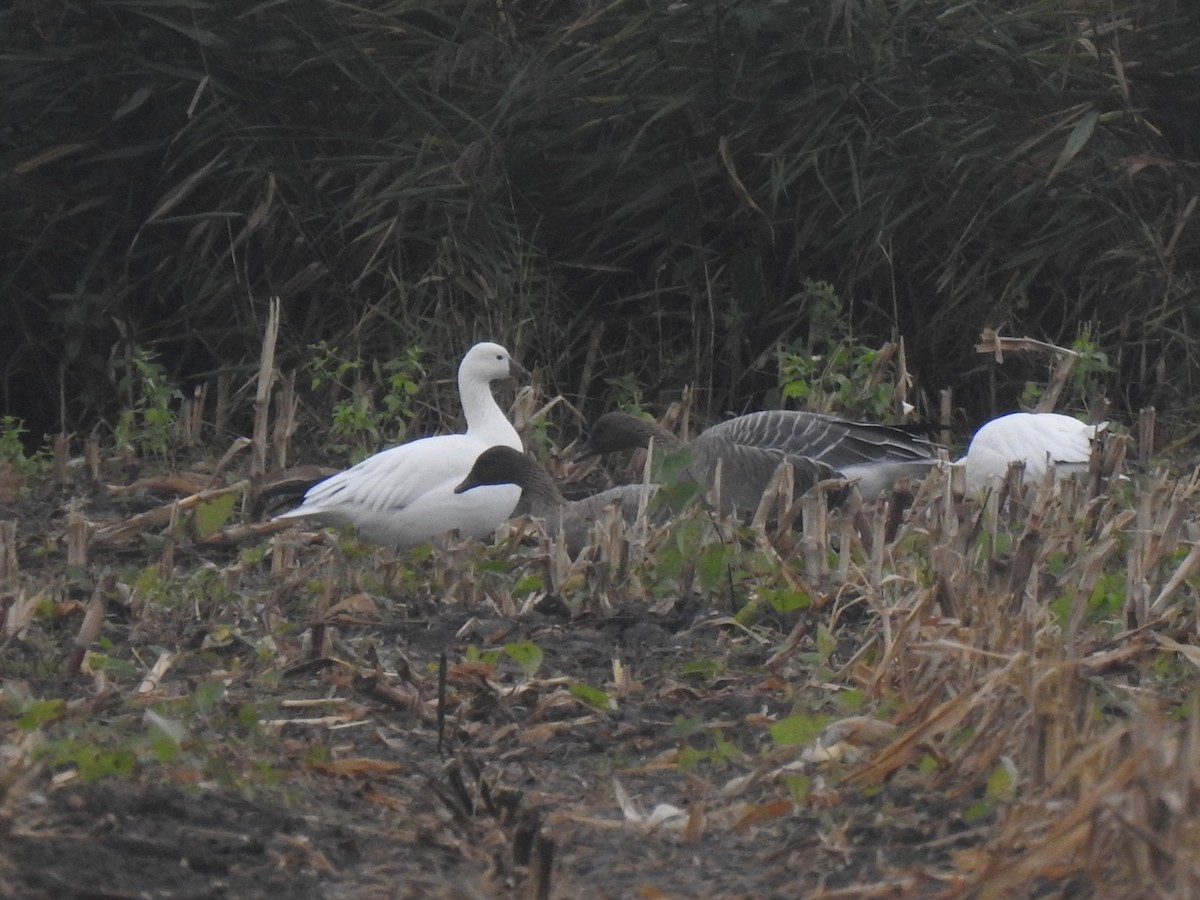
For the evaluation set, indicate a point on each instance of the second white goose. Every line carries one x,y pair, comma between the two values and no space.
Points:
1040,440
404,496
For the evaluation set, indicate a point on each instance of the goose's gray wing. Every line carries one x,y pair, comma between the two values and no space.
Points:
747,470
837,442
874,456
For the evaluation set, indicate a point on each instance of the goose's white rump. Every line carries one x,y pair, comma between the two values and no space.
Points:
1040,440
404,495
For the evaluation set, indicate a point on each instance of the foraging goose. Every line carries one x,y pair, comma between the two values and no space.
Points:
404,496
750,447
1040,440
574,518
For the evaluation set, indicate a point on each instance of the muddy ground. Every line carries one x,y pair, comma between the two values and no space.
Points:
328,720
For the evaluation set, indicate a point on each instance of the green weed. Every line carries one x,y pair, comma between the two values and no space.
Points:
148,422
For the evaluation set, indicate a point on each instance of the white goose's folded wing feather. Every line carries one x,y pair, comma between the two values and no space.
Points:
405,495
1039,440
396,477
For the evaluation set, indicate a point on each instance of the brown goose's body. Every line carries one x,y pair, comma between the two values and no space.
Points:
749,448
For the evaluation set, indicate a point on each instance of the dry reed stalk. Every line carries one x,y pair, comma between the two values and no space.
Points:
10,567
945,416
815,535
990,341
224,405
228,457
1120,816
1147,420
283,558
166,559
91,457
587,370
120,533
262,396
61,460
286,405
79,537
191,417
1024,692
93,620
318,648
776,496
901,408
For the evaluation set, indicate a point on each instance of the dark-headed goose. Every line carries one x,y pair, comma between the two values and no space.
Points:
542,499
405,495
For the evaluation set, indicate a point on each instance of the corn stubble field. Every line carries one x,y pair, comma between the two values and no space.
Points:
931,697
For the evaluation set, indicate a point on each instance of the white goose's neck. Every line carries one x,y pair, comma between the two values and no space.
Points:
484,416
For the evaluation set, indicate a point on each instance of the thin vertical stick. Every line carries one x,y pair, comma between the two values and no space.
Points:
542,869
589,361
945,415
903,383
9,565
283,557
1146,423
62,455
191,417
262,398
93,620
79,535
91,457
221,413
1058,381
285,420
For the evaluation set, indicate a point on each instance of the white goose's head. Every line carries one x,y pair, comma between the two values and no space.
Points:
487,362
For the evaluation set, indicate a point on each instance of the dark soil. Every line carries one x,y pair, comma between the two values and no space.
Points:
358,770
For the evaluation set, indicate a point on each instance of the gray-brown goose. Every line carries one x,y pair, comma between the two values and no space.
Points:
750,447
541,498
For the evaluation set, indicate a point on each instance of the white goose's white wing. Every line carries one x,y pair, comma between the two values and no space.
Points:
405,495
1040,440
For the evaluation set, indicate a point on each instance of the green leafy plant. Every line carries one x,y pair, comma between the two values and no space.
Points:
13,455
1089,367
525,654
835,373
592,696
373,403
148,421
798,728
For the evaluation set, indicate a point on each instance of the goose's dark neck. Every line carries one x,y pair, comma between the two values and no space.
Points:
622,431
540,490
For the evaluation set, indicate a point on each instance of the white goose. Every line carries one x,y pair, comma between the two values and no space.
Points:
750,447
404,496
541,498
1040,440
